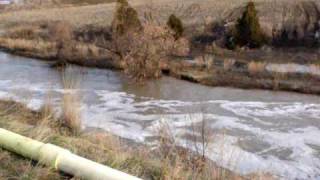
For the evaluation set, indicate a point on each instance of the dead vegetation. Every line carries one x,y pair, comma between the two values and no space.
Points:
138,48
168,161
71,105
41,4
134,44
140,52
190,11
282,27
33,48
150,41
256,68
141,47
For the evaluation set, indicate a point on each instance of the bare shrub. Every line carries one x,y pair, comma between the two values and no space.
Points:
188,162
142,52
141,47
142,60
205,137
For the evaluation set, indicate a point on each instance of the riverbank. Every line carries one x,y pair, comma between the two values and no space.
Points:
96,145
87,38
258,124
216,70
209,69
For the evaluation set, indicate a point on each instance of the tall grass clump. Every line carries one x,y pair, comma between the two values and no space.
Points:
71,112
175,24
248,31
42,130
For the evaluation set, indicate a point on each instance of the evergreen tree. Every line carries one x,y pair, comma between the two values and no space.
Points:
125,19
248,30
175,24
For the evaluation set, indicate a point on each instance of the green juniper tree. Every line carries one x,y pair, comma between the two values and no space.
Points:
126,19
248,30
175,24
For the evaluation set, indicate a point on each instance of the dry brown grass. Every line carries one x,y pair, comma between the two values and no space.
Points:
24,32
55,40
181,163
255,68
49,40
190,11
71,106
40,46
315,68
86,51
205,60
278,77
60,31
71,117
14,167
169,162
100,147
228,64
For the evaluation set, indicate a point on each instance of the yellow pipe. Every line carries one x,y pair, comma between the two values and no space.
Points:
59,158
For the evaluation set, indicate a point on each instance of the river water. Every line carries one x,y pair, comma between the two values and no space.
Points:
254,130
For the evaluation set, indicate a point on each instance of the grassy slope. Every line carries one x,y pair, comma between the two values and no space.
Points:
191,11
104,148
83,2
99,147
